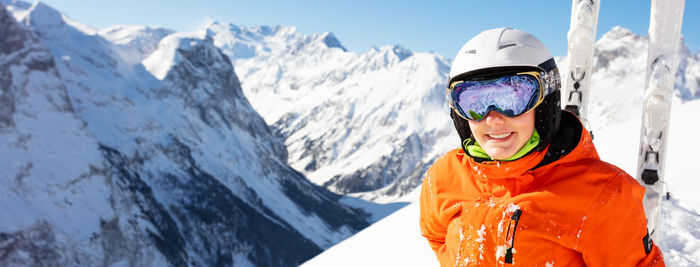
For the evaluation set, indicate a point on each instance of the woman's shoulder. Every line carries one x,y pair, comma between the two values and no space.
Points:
454,155
617,183
446,168
591,172
597,182
449,162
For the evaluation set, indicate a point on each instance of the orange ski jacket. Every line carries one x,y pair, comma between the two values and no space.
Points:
575,211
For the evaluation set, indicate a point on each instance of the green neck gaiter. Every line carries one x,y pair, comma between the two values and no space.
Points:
475,149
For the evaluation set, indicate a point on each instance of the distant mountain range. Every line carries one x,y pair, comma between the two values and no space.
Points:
365,124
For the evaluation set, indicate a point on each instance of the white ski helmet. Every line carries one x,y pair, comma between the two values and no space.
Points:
499,48
510,50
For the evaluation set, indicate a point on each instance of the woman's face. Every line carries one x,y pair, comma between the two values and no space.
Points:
502,136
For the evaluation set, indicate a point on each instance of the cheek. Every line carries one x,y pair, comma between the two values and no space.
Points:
479,135
476,129
526,123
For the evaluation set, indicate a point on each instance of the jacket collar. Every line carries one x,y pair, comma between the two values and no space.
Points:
498,170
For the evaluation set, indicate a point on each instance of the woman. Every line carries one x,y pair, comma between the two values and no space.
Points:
527,187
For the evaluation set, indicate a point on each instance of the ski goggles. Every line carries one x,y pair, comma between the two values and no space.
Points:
510,95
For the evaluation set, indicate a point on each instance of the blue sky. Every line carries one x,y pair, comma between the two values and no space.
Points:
421,26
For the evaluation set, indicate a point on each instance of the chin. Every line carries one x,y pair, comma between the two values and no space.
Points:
500,155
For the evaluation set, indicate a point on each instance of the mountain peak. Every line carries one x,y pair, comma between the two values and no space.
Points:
42,15
13,36
284,29
396,51
401,52
211,22
265,30
617,33
331,41
193,54
127,34
169,52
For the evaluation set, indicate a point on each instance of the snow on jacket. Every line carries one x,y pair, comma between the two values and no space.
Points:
575,211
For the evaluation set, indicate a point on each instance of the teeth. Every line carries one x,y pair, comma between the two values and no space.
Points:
500,136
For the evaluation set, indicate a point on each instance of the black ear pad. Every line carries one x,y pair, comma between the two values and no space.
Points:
548,118
462,126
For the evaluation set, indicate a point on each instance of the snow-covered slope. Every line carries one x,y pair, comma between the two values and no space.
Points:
134,42
392,241
106,160
49,161
367,123
615,115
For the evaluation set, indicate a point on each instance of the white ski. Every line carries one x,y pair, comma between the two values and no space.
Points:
581,38
662,61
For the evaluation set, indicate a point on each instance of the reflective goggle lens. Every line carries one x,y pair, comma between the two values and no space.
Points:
511,95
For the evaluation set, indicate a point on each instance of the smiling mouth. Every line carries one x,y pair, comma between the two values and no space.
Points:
499,136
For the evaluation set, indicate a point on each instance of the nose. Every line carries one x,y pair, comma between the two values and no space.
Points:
494,118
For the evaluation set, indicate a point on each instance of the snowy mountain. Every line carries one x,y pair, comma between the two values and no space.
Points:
134,145
615,115
107,160
620,61
134,42
50,163
367,124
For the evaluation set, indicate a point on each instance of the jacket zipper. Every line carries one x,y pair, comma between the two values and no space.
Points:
509,251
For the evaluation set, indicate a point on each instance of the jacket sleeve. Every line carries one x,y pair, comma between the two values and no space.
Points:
430,227
615,231
438,208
